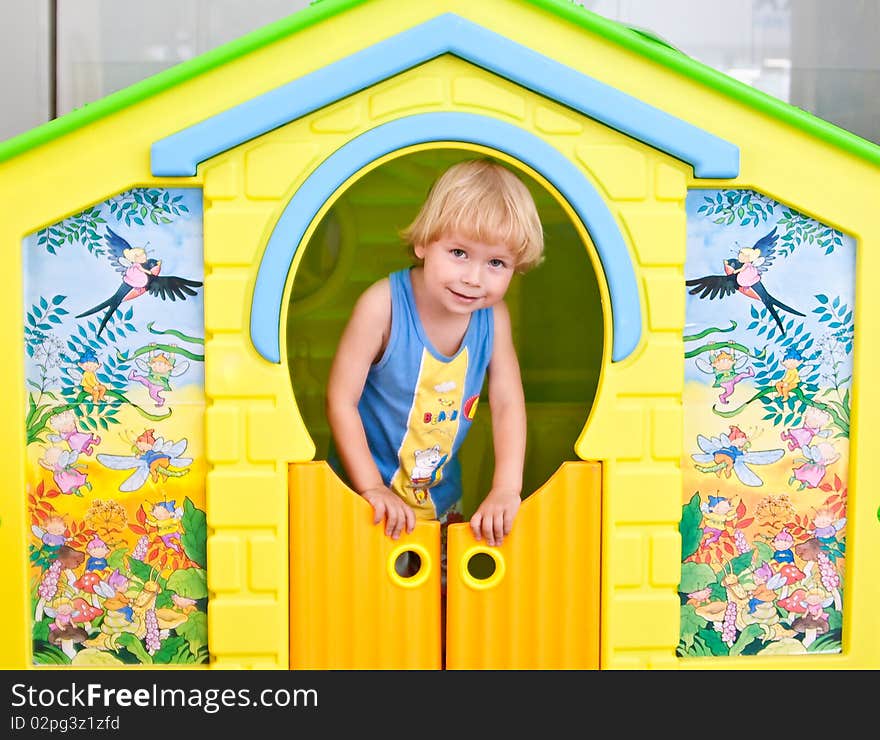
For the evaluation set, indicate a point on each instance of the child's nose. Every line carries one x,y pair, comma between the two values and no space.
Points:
472,274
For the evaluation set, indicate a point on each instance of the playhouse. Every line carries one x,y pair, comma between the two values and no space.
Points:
181,258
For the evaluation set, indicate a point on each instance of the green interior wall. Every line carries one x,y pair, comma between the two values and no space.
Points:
555,309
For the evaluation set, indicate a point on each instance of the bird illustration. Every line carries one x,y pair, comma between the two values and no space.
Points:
743,275
140,274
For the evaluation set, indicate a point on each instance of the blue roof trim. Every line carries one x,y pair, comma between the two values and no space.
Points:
179,155
533,151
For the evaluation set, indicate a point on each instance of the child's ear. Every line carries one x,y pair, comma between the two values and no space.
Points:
419,251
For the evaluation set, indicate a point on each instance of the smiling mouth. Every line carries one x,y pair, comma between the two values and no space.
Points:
464,297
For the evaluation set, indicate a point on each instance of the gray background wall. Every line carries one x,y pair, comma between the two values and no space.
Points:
823,57
25,61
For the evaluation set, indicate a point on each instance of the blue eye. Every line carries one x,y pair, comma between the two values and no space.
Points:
496,263
457,252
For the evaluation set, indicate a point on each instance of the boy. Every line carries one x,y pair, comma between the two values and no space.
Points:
88,363
405,381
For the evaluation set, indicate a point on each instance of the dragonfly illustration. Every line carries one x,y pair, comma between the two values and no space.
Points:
153,457
730,453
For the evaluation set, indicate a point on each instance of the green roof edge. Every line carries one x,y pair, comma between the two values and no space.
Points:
638,41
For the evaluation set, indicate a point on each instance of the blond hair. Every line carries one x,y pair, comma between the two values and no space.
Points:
135,254
484,201
749,254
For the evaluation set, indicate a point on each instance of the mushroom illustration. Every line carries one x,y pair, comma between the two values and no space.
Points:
85,612
790,574
794,603
68,637
713,612
808,551
87,582
168,619
810,627
70,558
815,620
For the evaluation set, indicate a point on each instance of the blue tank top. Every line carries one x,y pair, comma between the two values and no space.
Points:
418,404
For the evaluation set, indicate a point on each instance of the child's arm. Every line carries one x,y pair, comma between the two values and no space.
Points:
361,344
494,517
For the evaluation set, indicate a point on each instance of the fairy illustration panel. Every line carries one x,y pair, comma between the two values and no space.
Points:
114,343
768,375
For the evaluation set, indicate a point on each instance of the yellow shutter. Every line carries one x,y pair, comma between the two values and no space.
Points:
540,608
348,607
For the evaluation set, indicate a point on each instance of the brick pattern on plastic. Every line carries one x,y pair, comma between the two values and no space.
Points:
253,426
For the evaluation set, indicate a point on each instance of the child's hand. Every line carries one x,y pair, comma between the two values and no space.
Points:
394,509
494,519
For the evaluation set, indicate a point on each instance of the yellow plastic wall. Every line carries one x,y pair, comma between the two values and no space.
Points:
248,188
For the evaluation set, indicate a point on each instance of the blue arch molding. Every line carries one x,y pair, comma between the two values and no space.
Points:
445,127
178,155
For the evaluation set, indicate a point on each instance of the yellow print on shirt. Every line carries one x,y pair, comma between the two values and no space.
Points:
433,423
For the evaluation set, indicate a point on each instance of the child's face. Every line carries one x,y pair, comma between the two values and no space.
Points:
159,365
462,275
63,422
57,526
748,255
52,455
814,417
160,512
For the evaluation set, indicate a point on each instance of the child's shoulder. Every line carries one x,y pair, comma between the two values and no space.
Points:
376,299
501,316
378,291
